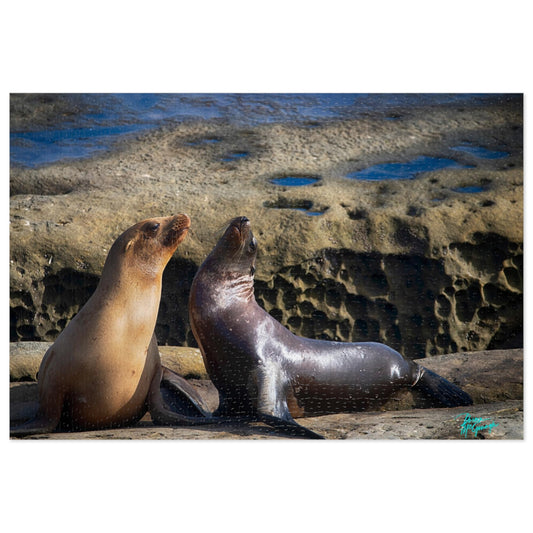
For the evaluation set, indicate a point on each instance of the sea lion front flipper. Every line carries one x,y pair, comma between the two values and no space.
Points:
181,396
272,408
288,426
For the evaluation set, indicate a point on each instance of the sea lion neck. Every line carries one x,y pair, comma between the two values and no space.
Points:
239,286
230,282
123,265
127,284
230,266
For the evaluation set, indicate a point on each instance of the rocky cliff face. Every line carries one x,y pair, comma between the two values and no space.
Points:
416,304
428,265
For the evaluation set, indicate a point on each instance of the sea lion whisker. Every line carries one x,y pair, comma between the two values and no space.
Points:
222,229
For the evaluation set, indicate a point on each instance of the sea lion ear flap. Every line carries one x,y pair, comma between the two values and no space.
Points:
129,244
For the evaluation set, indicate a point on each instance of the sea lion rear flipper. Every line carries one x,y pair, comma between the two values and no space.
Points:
439,391
180,396
272,408
162,413
43,421
37,426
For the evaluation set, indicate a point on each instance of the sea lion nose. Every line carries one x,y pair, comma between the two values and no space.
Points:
244,219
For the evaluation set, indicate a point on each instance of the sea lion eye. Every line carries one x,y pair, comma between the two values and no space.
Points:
153,227
253,245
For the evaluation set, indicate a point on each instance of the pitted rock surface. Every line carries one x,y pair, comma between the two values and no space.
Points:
412,263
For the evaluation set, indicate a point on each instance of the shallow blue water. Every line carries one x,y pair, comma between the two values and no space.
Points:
235,156
469,189
36,148
404,171
480,151
294,181
303,210
110,116
308,212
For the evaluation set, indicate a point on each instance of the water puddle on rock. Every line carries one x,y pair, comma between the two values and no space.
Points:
295,181
480,151
311,213
466,189
36,148
405,171
469,189
234,156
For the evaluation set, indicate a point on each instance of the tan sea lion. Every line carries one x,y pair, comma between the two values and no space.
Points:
104,369
264,371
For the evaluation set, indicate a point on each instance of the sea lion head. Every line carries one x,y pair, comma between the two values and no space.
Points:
148,245
237,248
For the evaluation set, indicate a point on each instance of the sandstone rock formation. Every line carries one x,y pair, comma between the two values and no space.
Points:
419,264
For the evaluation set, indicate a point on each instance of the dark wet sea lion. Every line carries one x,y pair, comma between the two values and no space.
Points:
264,371
104,369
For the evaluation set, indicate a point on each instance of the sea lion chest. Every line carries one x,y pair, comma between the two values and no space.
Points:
102,361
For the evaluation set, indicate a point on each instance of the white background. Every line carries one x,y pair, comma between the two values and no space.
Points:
237,46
